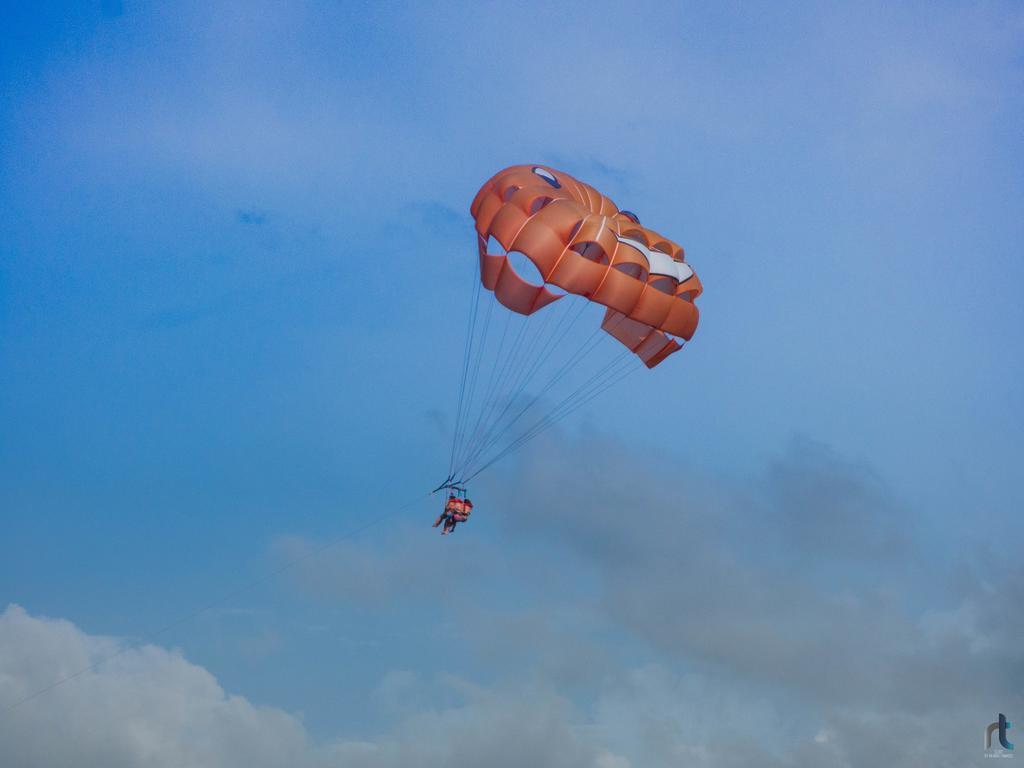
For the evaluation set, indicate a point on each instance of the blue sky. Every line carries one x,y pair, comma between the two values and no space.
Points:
206,370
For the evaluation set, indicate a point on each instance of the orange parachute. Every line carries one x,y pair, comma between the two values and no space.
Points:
581,242
534,219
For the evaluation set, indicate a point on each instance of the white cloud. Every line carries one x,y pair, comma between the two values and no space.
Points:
149,706
146,706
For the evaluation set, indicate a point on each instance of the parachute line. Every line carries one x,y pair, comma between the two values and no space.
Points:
470,327
519,383
582,352
474,377
580,397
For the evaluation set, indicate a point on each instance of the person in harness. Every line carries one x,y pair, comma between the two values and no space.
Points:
447,512
456,510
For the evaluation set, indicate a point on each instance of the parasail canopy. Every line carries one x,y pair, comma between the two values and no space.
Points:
582,243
